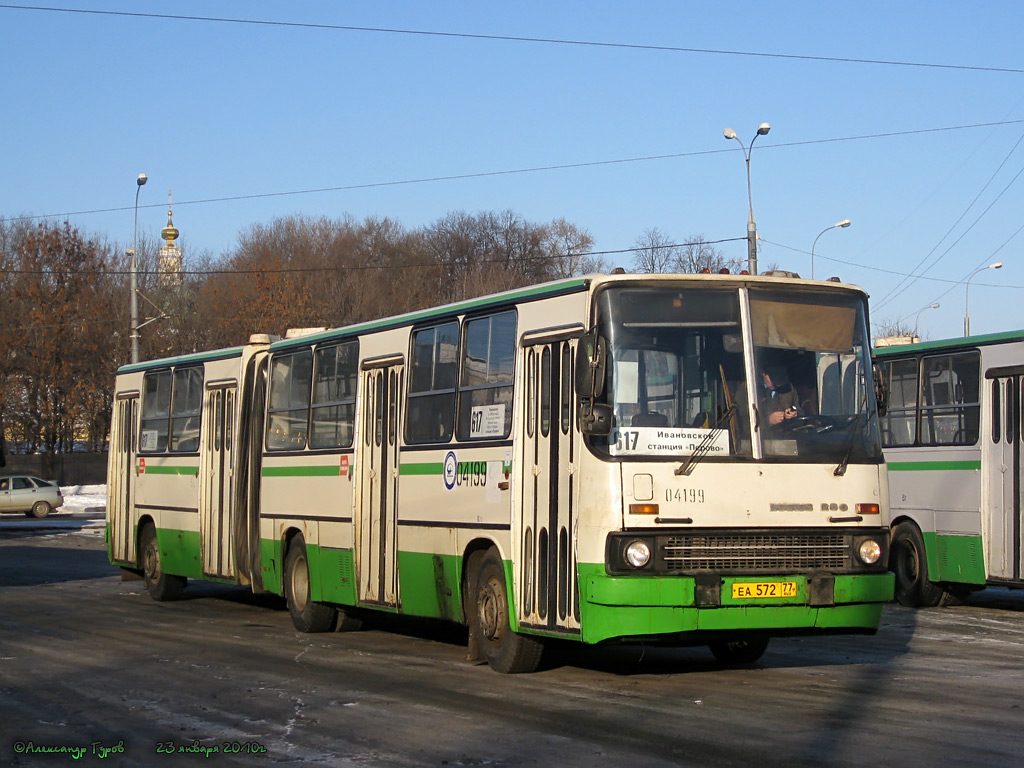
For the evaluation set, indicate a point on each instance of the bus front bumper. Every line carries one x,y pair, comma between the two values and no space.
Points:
669,608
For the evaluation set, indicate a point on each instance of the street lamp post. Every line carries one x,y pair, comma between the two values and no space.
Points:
967,291
729,133
917,318
844,224
134,272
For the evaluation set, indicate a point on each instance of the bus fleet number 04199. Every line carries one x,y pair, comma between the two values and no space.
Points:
685,495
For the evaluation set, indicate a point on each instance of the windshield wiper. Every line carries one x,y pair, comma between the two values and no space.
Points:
840,469
705,445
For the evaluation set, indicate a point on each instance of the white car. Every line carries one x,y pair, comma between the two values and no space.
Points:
29,494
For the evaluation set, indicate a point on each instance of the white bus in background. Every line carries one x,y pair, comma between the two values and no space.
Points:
575,460
952,437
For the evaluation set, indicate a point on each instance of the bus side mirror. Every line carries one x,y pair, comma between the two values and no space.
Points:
881,392
591,367
591,357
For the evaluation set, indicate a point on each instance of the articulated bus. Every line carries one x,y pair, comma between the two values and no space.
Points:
952,438
575,460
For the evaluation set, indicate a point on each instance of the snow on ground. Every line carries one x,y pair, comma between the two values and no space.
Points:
84,498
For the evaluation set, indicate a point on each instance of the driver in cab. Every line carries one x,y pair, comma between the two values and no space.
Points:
778,401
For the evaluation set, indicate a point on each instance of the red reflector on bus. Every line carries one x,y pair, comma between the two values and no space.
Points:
867,509
643,509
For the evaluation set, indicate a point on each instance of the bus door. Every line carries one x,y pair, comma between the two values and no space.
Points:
121,493
549,446
377,474
216,481
1005,540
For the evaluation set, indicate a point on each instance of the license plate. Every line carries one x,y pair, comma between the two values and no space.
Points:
747,590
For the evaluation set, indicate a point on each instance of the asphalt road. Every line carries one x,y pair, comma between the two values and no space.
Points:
90,662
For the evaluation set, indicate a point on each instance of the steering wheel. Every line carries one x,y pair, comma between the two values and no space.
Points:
802,424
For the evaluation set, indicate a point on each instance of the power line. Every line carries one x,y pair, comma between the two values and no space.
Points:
509,172
981,263
908,281
893,271
514,39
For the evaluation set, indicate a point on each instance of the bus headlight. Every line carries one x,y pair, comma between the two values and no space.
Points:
638,553
869,551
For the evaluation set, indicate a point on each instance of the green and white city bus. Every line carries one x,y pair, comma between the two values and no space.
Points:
575,460
952,438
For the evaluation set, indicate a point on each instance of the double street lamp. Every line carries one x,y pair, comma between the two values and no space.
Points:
844,223
967,291
134,272
729,133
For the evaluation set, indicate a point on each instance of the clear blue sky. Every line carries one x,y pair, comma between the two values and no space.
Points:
224,111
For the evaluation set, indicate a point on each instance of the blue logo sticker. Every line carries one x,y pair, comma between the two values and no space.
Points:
451,470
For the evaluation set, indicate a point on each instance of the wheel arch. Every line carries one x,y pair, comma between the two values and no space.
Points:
288,535
140,526
477,546
925,525
914,570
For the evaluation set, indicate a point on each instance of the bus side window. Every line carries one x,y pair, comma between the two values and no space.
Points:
431,397
186,409
950,411
486,377
156,411
334,396
288,414
899,424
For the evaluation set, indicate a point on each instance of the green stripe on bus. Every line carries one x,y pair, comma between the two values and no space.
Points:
150,469
932,466
425,468
330,470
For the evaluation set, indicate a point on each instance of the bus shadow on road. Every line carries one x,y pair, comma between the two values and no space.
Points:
232,593
19,565
432,630
994,597
889,644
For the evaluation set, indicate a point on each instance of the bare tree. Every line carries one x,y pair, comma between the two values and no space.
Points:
893,327
569,248
654,252
54,387
696,255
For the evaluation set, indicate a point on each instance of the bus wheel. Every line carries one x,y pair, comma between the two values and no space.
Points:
909,562
505,650
745,651
307,616
161,586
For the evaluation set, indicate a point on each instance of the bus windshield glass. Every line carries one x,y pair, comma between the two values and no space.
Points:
813,377
675,368
677,382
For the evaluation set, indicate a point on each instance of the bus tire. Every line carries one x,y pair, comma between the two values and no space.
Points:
307,616
160,585
909,561
746,650
506,651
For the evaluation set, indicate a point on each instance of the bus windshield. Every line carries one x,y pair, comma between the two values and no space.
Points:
812,375
677,379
